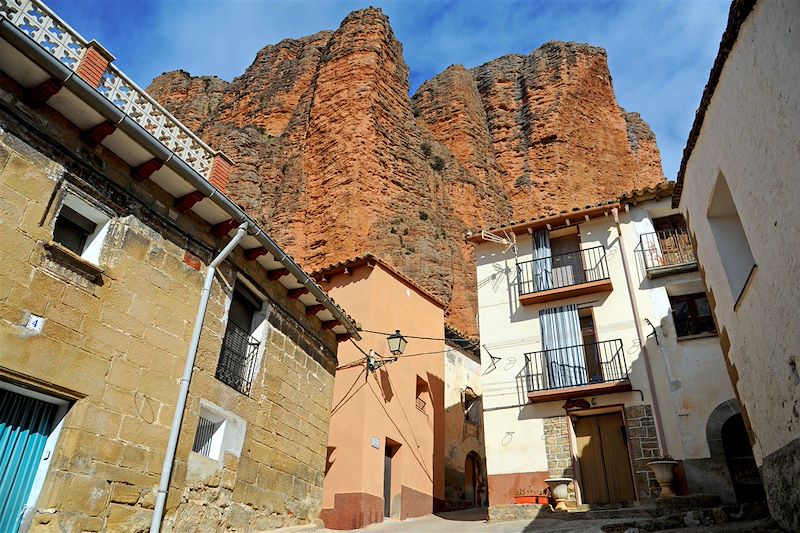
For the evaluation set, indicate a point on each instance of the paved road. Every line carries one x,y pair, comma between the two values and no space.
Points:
474,521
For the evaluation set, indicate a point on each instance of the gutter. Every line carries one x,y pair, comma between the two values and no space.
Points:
188,368
89,95
662,442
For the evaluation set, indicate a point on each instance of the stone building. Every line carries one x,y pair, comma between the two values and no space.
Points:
113,214
387,425
465,453
739,188
600,355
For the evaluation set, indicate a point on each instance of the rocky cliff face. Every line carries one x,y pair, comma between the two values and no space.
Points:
335,159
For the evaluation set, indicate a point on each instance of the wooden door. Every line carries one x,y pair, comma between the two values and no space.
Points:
603,458
567,266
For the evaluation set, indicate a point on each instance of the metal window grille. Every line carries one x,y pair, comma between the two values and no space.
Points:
421,404
237,361
202,439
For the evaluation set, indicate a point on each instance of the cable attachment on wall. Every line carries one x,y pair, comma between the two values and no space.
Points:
653,333
376,360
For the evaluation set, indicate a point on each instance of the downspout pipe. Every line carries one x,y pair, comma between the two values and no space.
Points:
637,320
177,418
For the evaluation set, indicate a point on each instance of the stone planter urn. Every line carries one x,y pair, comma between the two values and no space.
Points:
663,470
558,486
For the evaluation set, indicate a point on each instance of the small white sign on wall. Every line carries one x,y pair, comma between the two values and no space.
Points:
376,443
35,323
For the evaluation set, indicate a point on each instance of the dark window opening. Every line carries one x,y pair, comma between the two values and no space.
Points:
239,348
72,230
472,406
692,315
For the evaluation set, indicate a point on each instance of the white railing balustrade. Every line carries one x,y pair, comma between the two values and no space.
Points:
149,114
44,27
67,45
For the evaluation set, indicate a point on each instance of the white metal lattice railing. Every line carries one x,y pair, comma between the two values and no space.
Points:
149,114
44,27
67,45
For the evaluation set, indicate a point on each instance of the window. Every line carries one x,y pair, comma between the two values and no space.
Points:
81,228
734,249
472,406
692,315
208,439
237,359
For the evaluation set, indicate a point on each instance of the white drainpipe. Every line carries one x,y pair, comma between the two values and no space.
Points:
662,440
177,419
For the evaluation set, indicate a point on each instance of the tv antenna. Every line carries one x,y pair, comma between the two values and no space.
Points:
508,239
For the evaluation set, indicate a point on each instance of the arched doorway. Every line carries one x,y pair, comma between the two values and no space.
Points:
472,474
741,464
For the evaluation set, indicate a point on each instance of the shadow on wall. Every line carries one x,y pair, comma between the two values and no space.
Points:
436,388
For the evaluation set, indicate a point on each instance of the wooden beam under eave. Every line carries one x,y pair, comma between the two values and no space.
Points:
277,274
254,253
187,201
94,136
342,337
312,310
330,324
146,169
294,294
42,92
223,228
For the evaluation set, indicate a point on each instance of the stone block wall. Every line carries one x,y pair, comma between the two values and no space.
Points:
114,347
644,447
556,445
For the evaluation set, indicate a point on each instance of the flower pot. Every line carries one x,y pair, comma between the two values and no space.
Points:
558,486
531,498
663,471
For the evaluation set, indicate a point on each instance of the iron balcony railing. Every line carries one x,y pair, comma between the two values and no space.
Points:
573,366
237,360
562,270
667,248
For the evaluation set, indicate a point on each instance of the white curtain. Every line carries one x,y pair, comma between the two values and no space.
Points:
564,360
542,261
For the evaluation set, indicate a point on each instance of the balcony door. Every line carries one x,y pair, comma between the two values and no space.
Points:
591,352
673,239
567,264
602,447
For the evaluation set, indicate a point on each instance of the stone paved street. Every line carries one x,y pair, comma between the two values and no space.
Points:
474,520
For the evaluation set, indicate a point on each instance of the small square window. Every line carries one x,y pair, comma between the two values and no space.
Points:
81,228
208,439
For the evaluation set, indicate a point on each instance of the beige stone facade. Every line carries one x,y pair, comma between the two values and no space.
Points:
102,342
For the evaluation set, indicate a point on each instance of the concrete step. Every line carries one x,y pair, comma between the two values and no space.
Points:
721,518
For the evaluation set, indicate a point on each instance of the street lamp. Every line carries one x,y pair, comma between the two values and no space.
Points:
397,343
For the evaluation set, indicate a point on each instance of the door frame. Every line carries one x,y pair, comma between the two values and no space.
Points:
573,443
62,406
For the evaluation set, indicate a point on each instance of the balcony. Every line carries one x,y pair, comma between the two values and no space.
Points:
237,360
563,276
667,252
581,370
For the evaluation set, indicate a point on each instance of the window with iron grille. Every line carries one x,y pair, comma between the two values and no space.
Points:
208,438
237,360
692,315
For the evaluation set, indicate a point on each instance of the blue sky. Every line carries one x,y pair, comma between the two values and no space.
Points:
660,52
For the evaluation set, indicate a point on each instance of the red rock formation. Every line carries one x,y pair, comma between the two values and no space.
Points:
336,160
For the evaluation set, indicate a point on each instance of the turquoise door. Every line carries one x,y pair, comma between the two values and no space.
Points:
24,425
